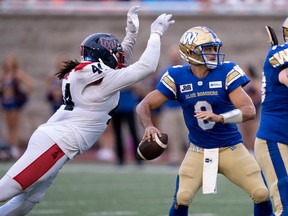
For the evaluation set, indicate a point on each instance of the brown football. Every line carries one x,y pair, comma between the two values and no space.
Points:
153,149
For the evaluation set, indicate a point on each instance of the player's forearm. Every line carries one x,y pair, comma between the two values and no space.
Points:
144,114
248,112
150,57
239,115
128,45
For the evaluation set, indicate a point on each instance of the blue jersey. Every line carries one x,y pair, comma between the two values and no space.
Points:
210,93
274,118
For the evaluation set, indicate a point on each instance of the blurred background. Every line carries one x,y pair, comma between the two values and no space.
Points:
41,33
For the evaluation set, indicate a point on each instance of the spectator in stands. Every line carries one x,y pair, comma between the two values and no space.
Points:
126,114
15,86
54,87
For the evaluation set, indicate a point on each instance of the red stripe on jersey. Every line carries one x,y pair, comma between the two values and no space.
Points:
39,167
82,65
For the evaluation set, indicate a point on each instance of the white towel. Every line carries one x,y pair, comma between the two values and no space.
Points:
210,171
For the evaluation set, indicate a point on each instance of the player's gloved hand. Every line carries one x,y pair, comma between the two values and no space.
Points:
161,24
132,20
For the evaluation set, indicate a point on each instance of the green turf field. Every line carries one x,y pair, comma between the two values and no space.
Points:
107,190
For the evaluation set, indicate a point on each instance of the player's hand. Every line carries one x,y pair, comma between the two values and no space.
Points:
161,24
151,130
209,116
132,19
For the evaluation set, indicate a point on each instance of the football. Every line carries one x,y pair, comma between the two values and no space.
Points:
153,149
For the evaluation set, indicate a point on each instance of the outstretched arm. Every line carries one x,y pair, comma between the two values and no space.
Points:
132,29
145,66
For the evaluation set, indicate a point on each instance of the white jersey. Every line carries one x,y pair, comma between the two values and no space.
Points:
78,124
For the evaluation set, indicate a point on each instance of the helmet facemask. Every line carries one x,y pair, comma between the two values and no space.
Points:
218,57
119,55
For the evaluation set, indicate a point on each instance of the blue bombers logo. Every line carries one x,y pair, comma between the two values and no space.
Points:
108,43
189,37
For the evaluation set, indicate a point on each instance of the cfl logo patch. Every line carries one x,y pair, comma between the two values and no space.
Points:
186,88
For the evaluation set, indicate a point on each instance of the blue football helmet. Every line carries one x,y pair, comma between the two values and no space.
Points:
103,47
193,42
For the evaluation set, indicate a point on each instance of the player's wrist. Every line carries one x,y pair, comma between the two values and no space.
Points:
232,117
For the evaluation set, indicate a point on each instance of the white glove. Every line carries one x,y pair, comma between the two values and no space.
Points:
161,24
132,20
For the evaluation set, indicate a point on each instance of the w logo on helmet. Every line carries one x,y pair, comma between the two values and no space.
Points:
108,43
188,38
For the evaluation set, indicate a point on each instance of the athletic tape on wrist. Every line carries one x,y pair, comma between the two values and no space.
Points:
232,117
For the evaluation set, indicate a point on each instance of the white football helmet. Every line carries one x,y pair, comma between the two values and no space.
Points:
192,43
285,30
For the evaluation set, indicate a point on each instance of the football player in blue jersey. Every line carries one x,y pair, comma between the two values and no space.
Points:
210,92
271,144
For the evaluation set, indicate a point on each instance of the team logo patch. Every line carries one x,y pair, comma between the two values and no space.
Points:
188,38
186,88
216,84
108,43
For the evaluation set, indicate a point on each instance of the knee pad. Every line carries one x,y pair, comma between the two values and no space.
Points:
260,195
184,198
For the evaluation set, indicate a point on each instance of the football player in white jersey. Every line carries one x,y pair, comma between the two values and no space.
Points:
210,92
91,94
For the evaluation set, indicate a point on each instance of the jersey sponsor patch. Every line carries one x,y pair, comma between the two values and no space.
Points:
186,88
215,84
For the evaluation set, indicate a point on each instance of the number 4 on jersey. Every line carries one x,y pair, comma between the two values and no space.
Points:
97,69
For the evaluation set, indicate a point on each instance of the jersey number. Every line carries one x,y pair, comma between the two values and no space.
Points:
204,106
97,69
68,98
263,88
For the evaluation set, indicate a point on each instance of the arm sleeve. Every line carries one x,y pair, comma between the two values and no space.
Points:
128,44
145,66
